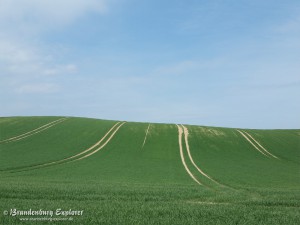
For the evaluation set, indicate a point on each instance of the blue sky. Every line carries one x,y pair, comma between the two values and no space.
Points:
215,63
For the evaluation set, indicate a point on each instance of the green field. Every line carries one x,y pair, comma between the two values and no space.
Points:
136,174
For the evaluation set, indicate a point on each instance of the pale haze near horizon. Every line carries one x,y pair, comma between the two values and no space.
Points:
214,63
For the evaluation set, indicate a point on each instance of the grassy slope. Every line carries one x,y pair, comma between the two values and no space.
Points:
127,184
232,160
13,126
58,142
283,143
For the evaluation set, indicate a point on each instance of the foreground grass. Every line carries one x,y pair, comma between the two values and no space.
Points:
116,203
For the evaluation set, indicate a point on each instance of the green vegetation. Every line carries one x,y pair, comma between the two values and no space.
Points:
126,182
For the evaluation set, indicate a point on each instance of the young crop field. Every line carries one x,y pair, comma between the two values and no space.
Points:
118,172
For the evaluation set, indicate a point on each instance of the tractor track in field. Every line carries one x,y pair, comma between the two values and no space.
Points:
35,131
102,146
180,132
265,150
244,135
256,144
90,151
146,136
186,133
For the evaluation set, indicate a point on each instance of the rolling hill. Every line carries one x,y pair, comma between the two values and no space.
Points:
144,173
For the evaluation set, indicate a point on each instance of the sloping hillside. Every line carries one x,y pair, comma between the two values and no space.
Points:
185,174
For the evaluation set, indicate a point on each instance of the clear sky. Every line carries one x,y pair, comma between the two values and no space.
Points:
205,62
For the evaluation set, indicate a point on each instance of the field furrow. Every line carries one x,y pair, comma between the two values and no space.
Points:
103,145
265,150
180,132
146,135
256,147
186,133
32,132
